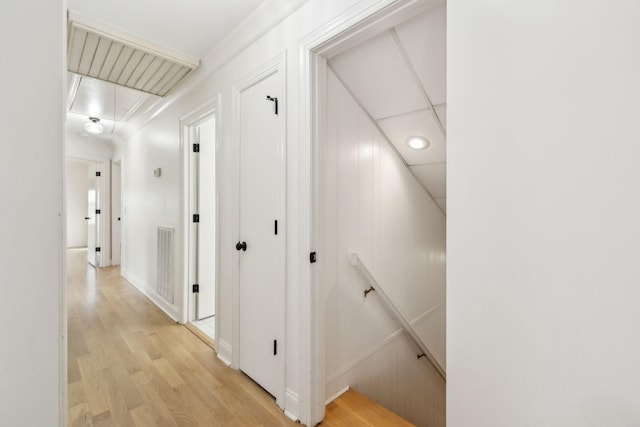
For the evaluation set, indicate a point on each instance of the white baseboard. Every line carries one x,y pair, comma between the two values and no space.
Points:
365,356
291,404
169,309
224,351
426,314
337,395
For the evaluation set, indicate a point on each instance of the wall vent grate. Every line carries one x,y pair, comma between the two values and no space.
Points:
165,263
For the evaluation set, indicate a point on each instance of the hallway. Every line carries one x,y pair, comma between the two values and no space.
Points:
130,365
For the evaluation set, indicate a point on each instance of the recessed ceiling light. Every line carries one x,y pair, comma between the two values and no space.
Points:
93,126
418,142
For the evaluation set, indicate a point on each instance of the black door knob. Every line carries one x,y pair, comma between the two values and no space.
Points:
86,217
241,246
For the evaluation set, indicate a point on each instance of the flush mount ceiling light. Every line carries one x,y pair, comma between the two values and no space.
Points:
418,142
93,126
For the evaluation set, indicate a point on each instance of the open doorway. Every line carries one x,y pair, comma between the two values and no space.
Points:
116,212
199,137
88,194
378,209
77,191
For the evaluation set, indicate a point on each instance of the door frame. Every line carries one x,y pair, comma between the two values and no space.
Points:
117,160
103,202
345,31
273,66
188,123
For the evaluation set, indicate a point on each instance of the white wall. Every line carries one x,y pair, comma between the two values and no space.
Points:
31,218
150,201
543,213
89,147
77,187
373,206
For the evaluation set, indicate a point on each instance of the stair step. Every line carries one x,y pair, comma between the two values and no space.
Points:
354,409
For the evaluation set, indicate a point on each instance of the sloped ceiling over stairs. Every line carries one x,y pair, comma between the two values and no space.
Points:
399,78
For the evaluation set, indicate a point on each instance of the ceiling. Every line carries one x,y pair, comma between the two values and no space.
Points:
399,78
192,29
190,26
96,98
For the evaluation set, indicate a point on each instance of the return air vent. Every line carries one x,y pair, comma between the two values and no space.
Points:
125,59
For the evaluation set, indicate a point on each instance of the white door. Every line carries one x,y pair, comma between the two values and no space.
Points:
261,285
92,218
116,214
206,297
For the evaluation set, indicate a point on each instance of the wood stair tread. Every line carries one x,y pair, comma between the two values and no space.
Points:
354,409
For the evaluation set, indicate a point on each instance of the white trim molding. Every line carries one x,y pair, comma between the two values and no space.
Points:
291,404
170,310
187,123
224,351
337,395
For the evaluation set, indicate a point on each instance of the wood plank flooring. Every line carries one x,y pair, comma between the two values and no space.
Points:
130,365
354,409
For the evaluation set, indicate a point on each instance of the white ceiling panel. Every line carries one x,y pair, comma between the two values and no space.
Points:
105,100
420,123
433,177
425,40
441,111
376,74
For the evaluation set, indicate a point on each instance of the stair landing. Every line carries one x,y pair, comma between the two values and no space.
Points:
354,409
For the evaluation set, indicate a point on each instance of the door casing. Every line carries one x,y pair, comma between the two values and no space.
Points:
188,125
275,65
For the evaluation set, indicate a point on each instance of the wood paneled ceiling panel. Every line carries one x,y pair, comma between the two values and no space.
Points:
124,59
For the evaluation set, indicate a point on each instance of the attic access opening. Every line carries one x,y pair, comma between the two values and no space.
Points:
110,54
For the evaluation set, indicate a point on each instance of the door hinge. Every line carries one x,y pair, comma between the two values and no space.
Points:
275,347
196,218
98,173
274,100
196,288
312,257
97,211
98,249
196,147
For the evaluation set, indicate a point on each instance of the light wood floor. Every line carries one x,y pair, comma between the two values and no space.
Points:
353,409
130,365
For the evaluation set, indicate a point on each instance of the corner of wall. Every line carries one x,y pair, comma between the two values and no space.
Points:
169,309
224,351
